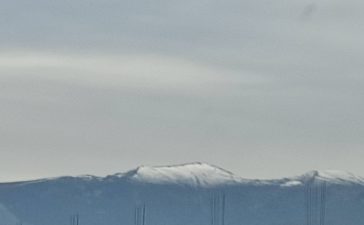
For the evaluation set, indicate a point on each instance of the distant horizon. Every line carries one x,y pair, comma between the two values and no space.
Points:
178,165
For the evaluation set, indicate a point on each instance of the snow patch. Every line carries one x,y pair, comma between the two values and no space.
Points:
291,183
339,177
329,176
194,174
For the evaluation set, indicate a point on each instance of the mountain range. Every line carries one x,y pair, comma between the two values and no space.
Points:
187,194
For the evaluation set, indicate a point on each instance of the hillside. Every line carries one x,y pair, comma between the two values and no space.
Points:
188,194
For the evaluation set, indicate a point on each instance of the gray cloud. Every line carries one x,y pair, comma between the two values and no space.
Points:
263,88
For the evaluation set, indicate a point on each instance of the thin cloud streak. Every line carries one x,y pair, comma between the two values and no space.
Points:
128,71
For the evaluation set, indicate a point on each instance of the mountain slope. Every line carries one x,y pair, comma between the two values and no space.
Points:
194,194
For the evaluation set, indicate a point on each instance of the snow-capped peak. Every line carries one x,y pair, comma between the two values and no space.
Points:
206,175
329,176
194,174
335,176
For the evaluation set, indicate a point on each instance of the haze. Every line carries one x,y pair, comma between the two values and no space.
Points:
262,88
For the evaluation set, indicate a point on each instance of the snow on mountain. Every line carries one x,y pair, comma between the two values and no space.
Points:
335,176
199,174
205,175
328,176
193,174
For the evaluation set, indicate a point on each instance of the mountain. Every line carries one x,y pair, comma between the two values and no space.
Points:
187,194
192,174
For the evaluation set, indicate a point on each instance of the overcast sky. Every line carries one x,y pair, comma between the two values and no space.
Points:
262,88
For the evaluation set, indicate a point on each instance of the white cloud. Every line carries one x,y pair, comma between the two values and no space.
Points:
130,70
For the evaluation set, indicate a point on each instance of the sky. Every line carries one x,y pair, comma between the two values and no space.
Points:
265,89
